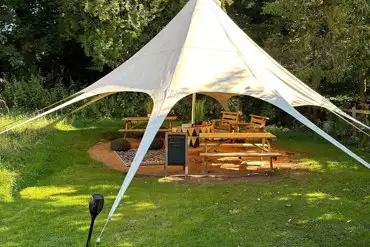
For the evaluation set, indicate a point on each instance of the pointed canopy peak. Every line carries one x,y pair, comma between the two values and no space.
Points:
195,26
195,37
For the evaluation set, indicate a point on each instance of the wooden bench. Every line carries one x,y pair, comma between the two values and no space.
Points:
130,127
227,121
240,145
240,155
257,122
250,138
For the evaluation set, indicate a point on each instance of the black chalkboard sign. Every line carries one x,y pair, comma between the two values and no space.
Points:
176,150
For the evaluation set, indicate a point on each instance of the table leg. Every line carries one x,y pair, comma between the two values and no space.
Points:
269,148
165,169
131,126
263,147
206,158
206,161
126,128
263,142
271,166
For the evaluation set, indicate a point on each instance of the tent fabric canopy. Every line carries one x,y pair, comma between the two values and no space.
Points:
203,51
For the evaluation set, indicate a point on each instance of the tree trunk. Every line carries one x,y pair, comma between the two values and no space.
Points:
363,89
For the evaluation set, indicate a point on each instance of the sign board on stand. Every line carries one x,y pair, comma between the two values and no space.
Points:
176,151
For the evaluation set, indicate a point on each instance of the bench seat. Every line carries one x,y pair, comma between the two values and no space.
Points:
232,144
238,154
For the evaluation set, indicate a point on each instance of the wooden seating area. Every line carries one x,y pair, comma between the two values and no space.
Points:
258,122
227,122
228,132
231,122
263,143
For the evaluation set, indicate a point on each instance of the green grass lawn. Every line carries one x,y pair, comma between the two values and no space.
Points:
46,179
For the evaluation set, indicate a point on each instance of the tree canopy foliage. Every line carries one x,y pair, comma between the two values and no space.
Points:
324,42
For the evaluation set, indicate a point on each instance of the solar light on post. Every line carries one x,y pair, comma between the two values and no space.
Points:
96,205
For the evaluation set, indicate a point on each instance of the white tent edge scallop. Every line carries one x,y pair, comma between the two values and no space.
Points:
208,54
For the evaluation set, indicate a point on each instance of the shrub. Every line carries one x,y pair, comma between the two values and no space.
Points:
199,111
120,145
112,135
149,106
31,94
156,144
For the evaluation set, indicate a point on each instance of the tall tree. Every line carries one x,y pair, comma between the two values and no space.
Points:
248,15
28,33
112,30
323,42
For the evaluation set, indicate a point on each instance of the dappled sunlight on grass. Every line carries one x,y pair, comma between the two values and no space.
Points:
64,126
323,164
310,163
46,192
302,222
317,196
36,124
169,179
127,202
4,228
104,186
144,206
66,201
284,198
330,216
7,181
126,244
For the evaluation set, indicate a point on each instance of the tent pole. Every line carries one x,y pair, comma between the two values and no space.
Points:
193,108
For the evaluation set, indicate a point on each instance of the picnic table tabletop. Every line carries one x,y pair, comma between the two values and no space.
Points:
262,135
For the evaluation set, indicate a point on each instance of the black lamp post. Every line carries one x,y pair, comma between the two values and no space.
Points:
96,205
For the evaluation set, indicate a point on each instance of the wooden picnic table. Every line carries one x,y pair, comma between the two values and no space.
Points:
263,143
129,124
